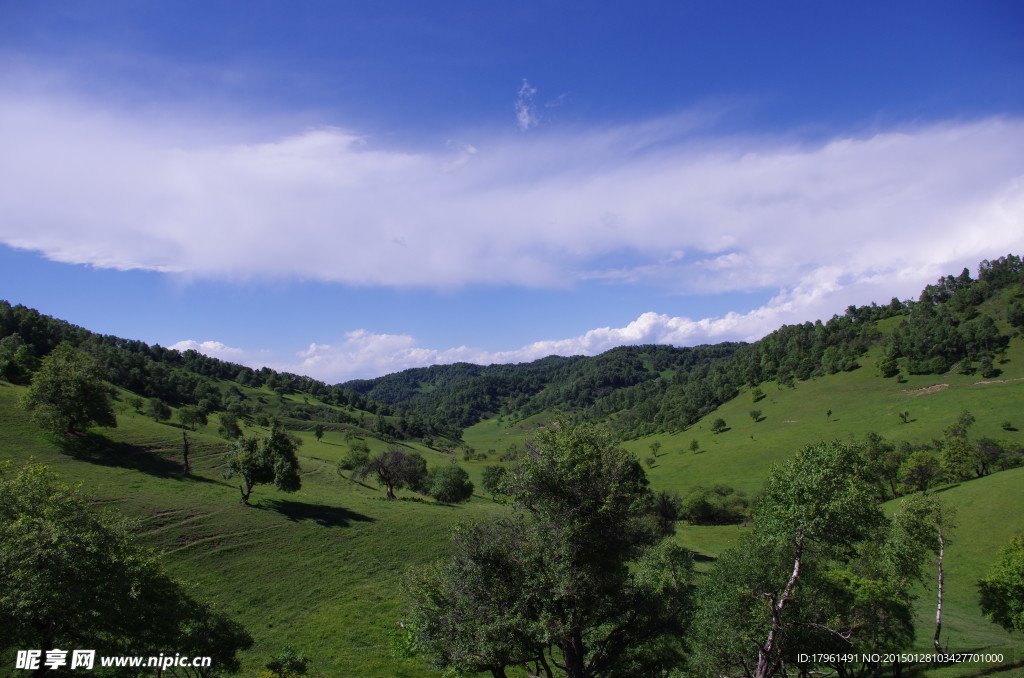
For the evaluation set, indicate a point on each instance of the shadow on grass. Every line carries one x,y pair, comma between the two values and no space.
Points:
98,449
326,516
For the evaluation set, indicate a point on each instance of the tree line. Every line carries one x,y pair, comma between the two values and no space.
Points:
641,390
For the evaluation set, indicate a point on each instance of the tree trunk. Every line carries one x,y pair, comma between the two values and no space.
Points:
246,490
573,656
938,608
764,654
187,469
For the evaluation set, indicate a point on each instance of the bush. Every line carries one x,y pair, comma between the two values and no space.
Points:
449,484
717,505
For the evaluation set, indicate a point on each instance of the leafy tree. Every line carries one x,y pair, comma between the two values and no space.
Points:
75,577
822,571
550,588
261,461
68,394
449,484
957,458
318,431
192,416
759,602
919,471
396,469
158,409
228,426
718,425
958,429
755,415
655,447
493,477
756,394
1002,591
1015,314
357,456
16,360
717,505
694,445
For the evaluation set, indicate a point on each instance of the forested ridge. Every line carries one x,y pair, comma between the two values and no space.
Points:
640,390
636,390
189,378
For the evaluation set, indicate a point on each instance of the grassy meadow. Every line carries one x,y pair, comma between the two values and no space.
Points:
320,569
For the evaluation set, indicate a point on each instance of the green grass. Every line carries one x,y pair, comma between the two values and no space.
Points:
320,569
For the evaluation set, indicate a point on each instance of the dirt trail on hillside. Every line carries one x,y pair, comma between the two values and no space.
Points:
935,388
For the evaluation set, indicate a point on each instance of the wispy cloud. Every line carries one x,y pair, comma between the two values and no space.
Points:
526,110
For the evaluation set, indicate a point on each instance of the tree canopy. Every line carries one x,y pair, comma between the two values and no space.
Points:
579,582
68,393
260,461
76,577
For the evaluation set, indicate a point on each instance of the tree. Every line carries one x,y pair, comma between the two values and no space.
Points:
579,581
957,458
261,461
655,447
919,471
158,409
228,426
1002,591
16,360
756,394
318,431
357,456
493,477
755,415
192,416
958,429
449,484
694,445
718,425
396,469
75,577
68,393
768,599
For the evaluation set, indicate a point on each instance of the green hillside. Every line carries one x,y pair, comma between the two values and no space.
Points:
321,569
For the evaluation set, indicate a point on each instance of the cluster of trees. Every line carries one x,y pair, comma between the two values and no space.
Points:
717,505
398,468
581,581
896,469
75,577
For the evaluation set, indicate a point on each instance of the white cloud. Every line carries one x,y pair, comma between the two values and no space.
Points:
822,293
85,185
848,220
214,349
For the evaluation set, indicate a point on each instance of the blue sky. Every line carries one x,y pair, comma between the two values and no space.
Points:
349,189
